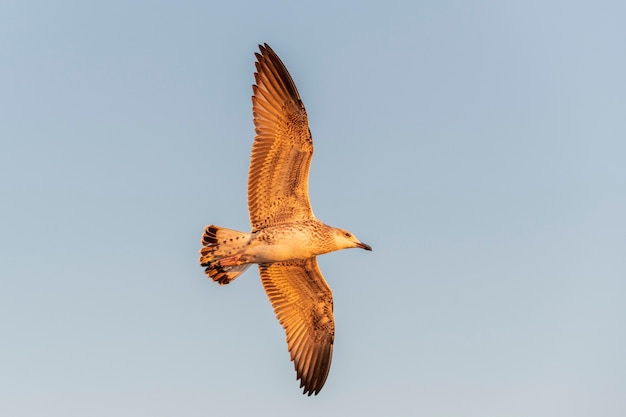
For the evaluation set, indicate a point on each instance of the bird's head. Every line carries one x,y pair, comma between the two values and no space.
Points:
346,240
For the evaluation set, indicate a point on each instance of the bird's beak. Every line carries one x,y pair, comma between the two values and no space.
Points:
364,246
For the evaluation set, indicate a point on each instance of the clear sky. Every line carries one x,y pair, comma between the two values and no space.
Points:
479,147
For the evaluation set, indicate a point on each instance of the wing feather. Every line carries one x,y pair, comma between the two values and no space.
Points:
282,150
303,304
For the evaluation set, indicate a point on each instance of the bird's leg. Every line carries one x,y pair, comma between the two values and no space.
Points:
233,260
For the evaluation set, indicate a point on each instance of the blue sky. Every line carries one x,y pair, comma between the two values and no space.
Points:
477,146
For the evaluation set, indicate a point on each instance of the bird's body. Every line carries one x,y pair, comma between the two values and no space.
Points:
285,242
286,237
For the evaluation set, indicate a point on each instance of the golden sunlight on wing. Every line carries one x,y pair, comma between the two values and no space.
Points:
282,150
303,304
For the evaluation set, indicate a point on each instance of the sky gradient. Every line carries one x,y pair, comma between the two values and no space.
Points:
478,147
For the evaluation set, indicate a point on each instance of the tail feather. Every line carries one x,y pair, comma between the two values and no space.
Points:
224,274
219,243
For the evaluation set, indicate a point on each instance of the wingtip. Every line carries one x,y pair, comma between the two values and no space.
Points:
264,47
308,391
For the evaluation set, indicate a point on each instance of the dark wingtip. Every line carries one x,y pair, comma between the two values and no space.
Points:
308,392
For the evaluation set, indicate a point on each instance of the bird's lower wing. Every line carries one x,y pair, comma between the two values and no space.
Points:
303,304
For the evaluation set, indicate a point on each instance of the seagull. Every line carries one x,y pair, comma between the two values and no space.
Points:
286,237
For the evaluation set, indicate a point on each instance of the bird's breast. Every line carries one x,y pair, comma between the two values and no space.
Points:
286,243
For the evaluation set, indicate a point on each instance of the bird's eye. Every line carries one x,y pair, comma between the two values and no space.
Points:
348,234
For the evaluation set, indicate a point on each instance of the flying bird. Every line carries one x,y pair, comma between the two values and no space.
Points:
286,237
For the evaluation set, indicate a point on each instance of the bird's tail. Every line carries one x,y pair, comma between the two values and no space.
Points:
219,253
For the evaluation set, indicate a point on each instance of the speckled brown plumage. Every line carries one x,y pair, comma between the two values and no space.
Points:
286,237
282,150
303,304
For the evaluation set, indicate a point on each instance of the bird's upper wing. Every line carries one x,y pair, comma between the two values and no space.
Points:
278,190
303,304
